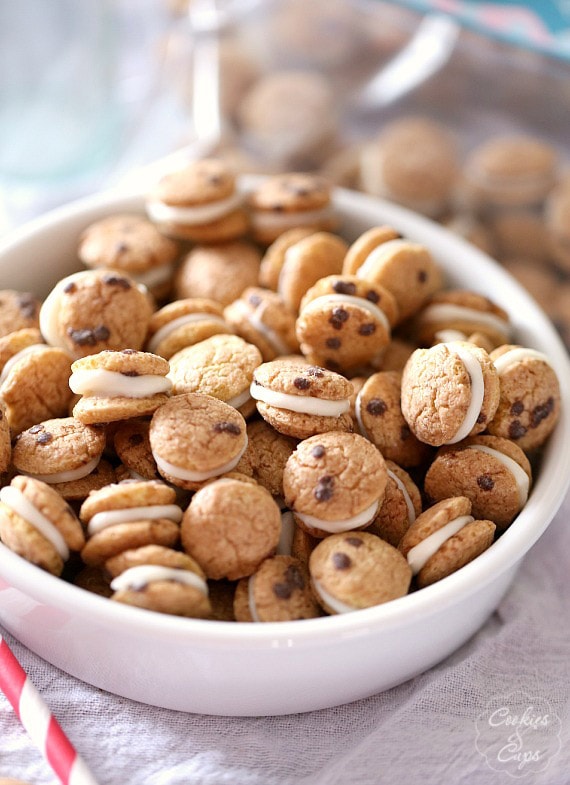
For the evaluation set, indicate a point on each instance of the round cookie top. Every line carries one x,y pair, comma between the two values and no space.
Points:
261,317
184,322
449,392
300,379
18,310
57,448
201,182
357,570
291,193
364,244
127,362
268,451
196,437
274,256
230,527
94,310
126,494
15,342
126,242
334,482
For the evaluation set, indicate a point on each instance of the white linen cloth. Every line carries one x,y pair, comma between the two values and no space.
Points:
424,731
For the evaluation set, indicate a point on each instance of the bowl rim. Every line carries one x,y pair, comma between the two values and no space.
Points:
506,552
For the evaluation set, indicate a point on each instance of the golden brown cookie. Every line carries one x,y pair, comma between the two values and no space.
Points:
94,579
334,482
365,243
37,524
77,490
18,311
444,538
132,445
449,392
274,256
262,318
230,527
301,400
401,506
356,570
267,453
183,323
5,440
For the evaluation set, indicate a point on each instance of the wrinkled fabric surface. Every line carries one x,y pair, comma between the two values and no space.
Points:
496,711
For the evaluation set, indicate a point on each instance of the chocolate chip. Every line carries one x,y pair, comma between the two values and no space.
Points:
254,299
70,288
136,439
356,542
282,590
367,329
128,351
486,482
344,287
338,318
314,370
541,412
130,373
36,428
121,248
324,490
318,451
87,337
333,343
294,577
44,438
27,305
277,208
481,418
516,430
341,561
373,296
517,408
301,384
215,179
422,276
116,280
101,332
376,407
405,432
227,427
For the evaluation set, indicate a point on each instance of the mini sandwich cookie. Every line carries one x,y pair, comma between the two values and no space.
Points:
126,515
131,244
274,256
261,317
37,524
378,414
200,203
267,453
33,379
286,201
454,315
230,527
344,321
279,590
492,472
357,570
195,438
529,402
362,247
444,538
18,311
58,451
334,482
132,446
183,323
118,385
160,579
94,310
401,506
221,366
301,400
449,392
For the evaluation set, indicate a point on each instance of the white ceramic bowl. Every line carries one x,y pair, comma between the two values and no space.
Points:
276,668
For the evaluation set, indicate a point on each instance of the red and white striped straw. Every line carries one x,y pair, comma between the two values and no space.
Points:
39,722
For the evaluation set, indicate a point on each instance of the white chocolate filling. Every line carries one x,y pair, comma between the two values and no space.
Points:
254,318
136,578
404,491
195,215
100,383
445,336
521,477
448,312
102,520
193,476
358,415
419,555
269,221
155,276
16,501
473,368
347,299
181,321
380,255
285,544
518,355
303,404
9,364
68,476
344,524
251,599
331,602
240,399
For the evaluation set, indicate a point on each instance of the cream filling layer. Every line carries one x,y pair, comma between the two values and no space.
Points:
331,602
302,404
285,544
9,364
251,599
521,477
181,321
358,415
102,520
518,355
154,276
347,299
16,501
445,336
69,476
136,578
380,255
344,524
473,368
266,220
404,491
100,383
240,399
444,312
195,215
255,319
193,476
419,555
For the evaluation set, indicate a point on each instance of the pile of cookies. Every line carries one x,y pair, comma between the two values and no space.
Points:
233,413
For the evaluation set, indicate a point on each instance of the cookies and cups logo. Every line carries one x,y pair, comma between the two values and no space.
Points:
518,735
